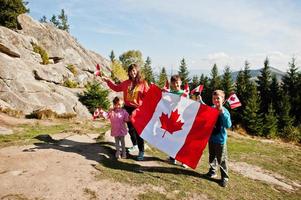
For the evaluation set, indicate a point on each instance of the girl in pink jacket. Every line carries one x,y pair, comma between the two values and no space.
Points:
118,118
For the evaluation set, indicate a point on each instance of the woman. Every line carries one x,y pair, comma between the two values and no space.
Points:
134,90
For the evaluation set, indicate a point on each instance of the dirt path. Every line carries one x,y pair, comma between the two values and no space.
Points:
65,170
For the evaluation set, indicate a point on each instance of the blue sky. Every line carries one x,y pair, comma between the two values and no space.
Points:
203,32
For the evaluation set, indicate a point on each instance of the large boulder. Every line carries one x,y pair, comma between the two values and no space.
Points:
27,85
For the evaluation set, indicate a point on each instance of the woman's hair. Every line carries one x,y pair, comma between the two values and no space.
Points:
175,78
138,77
116,100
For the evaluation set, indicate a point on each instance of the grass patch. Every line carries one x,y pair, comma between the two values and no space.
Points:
24,134
180,183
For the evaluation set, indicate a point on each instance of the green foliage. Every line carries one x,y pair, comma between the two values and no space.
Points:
162,78
130,57
43,19
94,96
148,71
194,82
215,81
42,52
10,10
70,83
285,119
227,82
72,69
55,21
270,123
292,133
291,86
112,56
63,25
264,84
251,117
118,72
183,72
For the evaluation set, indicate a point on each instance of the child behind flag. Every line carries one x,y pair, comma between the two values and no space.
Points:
218,139
118,118
175,88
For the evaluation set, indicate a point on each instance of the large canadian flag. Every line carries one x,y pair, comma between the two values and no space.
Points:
176,125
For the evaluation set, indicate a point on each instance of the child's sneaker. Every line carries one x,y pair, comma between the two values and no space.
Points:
140,156
224,182
211,175
117,154
172,160
133,148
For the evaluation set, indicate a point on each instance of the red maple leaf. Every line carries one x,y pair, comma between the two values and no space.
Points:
171,124
232,98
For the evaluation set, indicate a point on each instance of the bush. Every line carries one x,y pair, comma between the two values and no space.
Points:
94,96
11,112
42,52
292,133
70,83
72,69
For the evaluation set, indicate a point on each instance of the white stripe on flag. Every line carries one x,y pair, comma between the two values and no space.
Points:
171,143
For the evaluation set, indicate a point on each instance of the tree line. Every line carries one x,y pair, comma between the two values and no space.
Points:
270,108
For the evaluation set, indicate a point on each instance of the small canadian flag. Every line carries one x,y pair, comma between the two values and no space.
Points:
166,87
198,89
233,101
186,90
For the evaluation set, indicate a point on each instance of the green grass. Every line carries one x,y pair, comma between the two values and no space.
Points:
180,183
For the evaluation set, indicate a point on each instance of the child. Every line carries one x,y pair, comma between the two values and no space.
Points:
118,118
175,88
218,139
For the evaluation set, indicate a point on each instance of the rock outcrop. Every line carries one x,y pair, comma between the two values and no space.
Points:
27,85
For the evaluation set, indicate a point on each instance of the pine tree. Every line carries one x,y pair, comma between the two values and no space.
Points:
264,84
291,83
148,71
55,21
9,12
285,119
215,81
63,25
194,82
43,19
162,78
251,117
183,72
94,96
227,82
270,123
112,56
275,94
206,95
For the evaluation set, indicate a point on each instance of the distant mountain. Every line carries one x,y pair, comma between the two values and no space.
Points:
256,72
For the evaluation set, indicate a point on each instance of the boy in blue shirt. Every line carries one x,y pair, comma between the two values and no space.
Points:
218,139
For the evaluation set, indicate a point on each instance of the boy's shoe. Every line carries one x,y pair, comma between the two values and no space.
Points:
211,175
140,156
224,182
185,166
133,148
172,160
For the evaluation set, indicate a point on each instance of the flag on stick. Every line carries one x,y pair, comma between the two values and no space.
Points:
166,87
198,89
186,90
233,101
97,72
174,124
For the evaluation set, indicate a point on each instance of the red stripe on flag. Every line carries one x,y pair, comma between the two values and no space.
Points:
153,95
198,136
235,105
